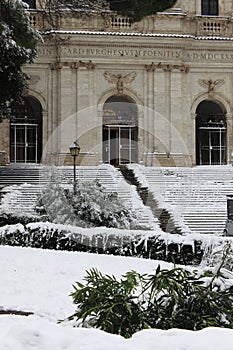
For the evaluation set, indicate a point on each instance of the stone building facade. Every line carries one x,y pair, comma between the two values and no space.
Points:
156,92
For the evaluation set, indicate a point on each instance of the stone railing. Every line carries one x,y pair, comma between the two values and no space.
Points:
119,22
215,26
36,20
163,23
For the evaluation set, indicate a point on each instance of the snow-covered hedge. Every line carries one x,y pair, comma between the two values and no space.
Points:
147,244
15,218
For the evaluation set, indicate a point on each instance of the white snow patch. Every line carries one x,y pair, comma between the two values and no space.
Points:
41,281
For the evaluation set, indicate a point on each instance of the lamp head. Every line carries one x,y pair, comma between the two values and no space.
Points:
74,149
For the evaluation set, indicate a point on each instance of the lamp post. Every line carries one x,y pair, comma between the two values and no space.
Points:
74,151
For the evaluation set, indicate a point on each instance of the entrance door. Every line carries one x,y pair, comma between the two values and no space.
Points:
212,146
120,130
24,143
211,131
26,132
119,146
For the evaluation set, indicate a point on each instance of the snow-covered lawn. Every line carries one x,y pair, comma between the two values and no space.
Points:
40,281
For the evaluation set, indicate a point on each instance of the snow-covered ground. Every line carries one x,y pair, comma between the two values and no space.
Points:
40,281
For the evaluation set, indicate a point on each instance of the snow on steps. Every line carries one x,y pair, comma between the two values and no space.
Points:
27,181
196,196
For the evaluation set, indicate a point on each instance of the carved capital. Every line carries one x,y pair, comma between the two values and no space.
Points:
150,67
89,65
182,68
76,65
56,65
166,67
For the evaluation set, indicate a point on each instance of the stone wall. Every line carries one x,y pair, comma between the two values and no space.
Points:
164,64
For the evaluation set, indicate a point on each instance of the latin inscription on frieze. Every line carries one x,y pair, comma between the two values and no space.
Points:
208,56
120,52
157,53
45,51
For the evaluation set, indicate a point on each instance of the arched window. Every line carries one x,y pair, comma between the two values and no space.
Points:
26,132
211,131
31,3
209,7
120,130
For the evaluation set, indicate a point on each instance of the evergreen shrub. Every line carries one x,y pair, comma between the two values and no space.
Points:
174,298
90,205
105,241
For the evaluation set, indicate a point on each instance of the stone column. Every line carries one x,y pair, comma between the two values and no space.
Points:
149,131
149,111
55,113
167,69
229,142
5,142
46,134
193,138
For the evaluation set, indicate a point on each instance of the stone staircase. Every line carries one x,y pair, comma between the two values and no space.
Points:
21,184
197,197
165,219
178,200
21,174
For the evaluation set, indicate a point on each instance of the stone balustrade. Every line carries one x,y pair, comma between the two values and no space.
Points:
175,23
213,26
36,20
120,22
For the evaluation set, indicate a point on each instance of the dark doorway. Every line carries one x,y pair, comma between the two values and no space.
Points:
26,132
209,7
120,131
211,131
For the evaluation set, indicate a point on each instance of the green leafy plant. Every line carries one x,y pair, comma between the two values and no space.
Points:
108,304
175,298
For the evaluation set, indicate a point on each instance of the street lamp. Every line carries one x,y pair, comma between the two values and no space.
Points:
74,151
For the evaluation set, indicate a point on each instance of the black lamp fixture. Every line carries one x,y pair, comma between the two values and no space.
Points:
74,152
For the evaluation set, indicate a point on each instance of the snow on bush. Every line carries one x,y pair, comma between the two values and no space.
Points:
89,205
147,244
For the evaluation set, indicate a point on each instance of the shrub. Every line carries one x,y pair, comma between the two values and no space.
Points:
14,218
143,244
108,304
174,298
89,206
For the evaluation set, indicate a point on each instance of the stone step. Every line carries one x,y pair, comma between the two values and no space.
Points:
197,195
23,198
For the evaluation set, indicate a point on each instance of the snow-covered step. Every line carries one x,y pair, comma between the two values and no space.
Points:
196,196
28,182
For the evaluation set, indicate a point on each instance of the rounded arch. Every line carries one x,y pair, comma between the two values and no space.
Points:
26,131
215,98
113,92
37,96
211,133
120,109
